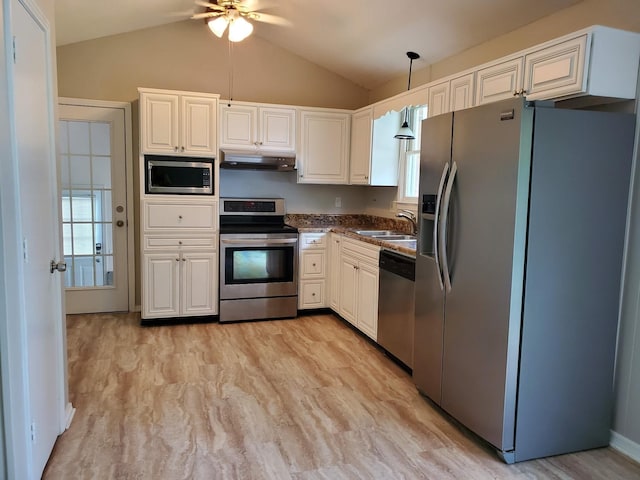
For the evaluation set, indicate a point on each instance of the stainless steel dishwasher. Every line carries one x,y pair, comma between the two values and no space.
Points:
395,305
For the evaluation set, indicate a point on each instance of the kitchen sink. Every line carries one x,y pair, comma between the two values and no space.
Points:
385,234
409,242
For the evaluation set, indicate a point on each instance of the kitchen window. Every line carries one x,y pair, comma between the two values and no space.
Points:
410,159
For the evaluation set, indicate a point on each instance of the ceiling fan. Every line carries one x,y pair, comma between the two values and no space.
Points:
234,14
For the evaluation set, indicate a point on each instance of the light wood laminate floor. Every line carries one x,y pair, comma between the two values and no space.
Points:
299,399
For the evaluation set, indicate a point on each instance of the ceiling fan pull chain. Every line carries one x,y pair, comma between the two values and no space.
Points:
230,72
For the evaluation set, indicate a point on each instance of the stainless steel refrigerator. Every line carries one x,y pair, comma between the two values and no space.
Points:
518,272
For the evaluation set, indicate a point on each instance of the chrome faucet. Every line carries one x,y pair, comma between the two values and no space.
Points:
409,215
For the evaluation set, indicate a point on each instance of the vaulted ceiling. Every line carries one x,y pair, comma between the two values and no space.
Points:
364,41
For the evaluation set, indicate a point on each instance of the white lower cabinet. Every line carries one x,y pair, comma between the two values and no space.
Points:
358,288
179,284
312,265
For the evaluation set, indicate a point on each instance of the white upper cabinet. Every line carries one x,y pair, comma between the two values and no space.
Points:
556,71
361,137
257,126
597,61
461,92
323,146
374,150
499,81
438,99
178,123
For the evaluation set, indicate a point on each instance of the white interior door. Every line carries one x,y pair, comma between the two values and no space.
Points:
92,159
36,162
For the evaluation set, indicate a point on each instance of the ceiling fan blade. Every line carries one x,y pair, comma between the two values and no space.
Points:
212,6
198,16
272,19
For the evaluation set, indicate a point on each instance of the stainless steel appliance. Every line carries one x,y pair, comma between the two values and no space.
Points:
518,271
258,260
396,305
257,160
179,175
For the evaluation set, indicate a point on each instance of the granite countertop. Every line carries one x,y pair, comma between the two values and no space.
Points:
349,224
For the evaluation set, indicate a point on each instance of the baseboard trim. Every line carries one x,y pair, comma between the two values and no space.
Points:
625,446
70,412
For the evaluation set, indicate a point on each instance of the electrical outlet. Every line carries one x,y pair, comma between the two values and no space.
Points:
338,202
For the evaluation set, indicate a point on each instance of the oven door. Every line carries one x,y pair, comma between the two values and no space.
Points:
258,265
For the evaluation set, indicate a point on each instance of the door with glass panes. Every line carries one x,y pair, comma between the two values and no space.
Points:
92,155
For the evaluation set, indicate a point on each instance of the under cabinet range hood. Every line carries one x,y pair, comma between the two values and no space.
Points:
257,160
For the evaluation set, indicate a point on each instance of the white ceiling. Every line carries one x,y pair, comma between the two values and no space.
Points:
364,41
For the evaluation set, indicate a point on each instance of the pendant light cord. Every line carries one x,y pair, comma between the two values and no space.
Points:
230,72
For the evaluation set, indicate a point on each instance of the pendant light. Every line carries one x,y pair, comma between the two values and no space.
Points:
405,132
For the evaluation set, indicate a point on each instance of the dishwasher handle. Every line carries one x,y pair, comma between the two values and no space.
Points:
398,264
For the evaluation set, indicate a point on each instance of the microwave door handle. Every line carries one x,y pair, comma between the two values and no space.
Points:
261,241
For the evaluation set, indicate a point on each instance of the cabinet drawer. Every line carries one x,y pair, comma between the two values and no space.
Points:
360,250
312,264
162,243
311,294
163,216
313,240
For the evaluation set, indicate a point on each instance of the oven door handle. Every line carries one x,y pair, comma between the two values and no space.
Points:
262,241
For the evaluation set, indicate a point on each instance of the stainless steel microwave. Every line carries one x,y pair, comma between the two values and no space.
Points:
179,175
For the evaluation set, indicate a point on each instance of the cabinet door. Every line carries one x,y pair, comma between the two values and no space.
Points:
438,99
367,299
361,137
461,92
159,123
161,285
277,129
348,289
238,126
199,286
324,147
198,115
499,82
556,71
335,264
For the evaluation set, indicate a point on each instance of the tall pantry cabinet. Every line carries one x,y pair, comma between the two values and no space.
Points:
179,233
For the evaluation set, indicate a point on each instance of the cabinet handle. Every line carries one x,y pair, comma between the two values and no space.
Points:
314,264
175,149
177,259
184,259
313,294
182,149
180,242
179,217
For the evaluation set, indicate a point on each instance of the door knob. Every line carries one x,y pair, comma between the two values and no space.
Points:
57,266
120,223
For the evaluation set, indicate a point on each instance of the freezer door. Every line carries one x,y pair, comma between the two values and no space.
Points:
435,154
482,314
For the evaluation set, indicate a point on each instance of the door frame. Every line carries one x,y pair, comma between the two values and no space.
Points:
130,199
14,369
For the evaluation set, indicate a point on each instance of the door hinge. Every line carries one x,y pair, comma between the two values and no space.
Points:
14,49
33,433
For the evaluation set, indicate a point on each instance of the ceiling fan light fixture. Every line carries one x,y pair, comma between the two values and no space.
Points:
239,29
218,26
405,132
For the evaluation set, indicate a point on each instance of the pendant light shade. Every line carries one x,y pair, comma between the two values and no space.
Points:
405,132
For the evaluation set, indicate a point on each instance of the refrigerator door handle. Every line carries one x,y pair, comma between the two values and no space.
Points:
436,228
444,226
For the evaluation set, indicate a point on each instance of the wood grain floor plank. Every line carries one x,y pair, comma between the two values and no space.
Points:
303,399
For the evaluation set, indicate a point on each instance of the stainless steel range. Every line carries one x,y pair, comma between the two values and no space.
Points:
258,260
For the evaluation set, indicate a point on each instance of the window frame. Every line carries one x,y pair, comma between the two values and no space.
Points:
410,148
